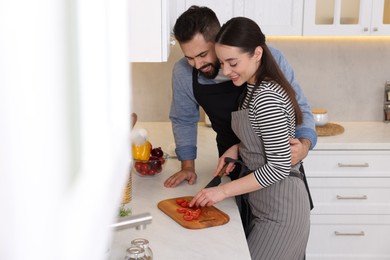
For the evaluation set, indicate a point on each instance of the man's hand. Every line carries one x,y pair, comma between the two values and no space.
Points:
299,149
187,172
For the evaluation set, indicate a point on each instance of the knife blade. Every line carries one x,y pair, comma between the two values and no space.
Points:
217,179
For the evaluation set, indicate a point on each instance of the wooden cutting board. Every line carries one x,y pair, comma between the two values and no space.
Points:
209,217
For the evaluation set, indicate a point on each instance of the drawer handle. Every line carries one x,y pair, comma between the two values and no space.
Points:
339,197
353,165
361,233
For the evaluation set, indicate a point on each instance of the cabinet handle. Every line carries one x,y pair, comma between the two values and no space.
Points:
353,165
375,29
361,233
365,29
339,197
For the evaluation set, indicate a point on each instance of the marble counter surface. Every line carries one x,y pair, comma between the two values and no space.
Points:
168,239
358,136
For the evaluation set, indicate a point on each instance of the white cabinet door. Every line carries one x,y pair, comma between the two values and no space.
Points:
347,237
277,17
224,9
380,22
337,17
149,30
346,17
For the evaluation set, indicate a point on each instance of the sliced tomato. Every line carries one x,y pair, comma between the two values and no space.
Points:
181,210
184,204
195,216
179,201
188,218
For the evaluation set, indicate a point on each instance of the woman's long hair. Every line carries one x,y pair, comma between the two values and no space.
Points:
244,33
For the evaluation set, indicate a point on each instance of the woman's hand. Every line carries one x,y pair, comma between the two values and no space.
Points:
208,197
232,152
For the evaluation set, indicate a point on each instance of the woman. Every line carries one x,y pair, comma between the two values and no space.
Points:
266,119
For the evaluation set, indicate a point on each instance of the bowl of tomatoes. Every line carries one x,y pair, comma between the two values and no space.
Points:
151,167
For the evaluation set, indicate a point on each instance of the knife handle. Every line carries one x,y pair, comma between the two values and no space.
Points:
222,171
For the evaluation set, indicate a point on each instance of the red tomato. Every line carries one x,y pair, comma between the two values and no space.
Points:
195,215
198,210
179,201
181,210
152,172
137,165
188,218
184,204
144,167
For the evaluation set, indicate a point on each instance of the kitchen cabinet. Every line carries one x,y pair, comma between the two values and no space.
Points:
346,18
150,30
224,9
276,18
350,187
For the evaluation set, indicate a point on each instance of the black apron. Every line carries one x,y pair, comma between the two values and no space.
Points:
219,101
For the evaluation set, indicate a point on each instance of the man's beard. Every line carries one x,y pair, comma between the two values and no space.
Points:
213,72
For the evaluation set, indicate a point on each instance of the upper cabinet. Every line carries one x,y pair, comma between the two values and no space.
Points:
277,17
149,30
224,9
346,18
151,21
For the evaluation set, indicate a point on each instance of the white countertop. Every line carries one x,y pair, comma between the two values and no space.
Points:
357,136
169,240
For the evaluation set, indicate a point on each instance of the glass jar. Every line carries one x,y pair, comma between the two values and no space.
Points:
143,243
135,253
320,116
387,91
387,112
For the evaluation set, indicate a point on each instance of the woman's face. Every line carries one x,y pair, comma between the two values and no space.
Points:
239,66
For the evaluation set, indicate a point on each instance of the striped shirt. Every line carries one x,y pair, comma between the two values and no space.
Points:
272,117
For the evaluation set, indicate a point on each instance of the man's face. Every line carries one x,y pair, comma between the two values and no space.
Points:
201,55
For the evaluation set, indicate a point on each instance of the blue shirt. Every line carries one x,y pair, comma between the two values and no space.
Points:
184,112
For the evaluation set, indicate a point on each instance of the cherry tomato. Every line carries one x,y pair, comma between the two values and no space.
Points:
179,201
188,218
144,167
137,165
184,204
181,210
194,215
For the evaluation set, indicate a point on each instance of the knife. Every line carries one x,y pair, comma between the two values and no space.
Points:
217,179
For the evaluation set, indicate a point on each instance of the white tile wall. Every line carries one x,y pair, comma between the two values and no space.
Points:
344,75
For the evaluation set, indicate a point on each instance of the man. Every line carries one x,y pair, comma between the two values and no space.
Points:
197,81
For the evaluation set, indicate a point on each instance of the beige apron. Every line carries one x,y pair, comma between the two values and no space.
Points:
280,221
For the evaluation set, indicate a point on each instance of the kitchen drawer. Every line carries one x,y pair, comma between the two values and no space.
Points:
347,164
350,195
349,237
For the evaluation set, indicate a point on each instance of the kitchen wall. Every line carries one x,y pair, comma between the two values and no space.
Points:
344,75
